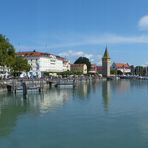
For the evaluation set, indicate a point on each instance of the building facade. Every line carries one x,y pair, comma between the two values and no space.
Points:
79,68
44,62
93,69
99,69
122,67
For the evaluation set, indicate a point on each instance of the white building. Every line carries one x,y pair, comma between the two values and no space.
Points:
66,63
124,68
44,62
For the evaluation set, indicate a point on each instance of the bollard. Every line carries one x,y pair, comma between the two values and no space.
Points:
24,89
9,88
50,84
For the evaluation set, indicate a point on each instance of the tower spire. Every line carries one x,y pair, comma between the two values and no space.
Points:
106,54
106,63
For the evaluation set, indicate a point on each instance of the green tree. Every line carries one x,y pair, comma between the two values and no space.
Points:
113,72
132,69
84,60
20,65
7,51
8,58
140,70
119,72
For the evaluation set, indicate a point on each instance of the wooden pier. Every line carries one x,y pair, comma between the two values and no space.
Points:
26,85
65,83
23,86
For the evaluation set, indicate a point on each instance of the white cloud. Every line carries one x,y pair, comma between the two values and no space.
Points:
146,63
92,60
83,40
143,23
102,39
117,39
72,53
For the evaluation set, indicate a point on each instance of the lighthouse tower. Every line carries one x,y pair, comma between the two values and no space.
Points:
106,64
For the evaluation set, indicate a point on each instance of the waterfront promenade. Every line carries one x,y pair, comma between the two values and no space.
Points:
54,82
12,84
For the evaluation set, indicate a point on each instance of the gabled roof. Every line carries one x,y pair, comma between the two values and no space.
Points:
32,54
106,54
39,54
122,65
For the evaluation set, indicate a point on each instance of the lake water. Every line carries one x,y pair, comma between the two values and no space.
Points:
102,114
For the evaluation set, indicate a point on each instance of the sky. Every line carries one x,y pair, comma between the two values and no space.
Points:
74,28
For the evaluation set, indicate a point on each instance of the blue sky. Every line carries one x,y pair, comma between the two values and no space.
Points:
73,28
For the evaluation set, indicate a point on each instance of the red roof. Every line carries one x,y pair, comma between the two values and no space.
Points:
122,65
38,54
32,54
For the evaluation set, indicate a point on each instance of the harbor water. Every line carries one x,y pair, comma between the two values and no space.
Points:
97,114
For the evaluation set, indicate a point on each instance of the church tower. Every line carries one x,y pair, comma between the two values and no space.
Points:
106,64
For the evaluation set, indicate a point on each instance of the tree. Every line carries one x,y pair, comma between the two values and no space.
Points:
20,65
84,60
8,58
7,51
113,72
132,69
119,72
140,70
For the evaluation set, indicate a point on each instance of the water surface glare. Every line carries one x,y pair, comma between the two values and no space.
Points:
104,114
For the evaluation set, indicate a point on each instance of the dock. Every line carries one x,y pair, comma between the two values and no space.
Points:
65,83
23,86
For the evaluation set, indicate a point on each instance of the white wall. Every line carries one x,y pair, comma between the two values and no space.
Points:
45,64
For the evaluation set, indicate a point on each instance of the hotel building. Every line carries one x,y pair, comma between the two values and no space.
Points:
44,62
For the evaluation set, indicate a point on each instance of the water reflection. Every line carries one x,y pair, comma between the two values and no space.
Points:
83,90
119,88
139,84
113,88
53,99
106,94
12,107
